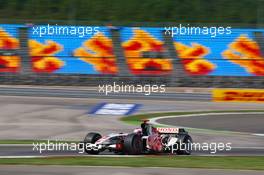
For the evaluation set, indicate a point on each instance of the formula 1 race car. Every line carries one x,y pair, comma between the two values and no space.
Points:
145,140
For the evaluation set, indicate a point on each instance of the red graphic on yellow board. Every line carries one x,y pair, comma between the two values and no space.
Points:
246,53
141,42
8,63
193,59
42,57
98,51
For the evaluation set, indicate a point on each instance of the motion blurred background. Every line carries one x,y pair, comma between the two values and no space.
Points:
131,45
99,42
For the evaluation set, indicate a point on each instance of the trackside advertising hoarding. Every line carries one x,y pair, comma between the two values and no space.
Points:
238,95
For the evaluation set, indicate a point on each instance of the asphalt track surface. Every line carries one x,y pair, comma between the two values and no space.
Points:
63,115
67,119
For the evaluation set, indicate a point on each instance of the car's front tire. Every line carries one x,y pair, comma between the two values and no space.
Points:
91,137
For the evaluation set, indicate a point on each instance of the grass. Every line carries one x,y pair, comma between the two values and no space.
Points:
136,119
246,163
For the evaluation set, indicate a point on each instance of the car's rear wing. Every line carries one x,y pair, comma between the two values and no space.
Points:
170,130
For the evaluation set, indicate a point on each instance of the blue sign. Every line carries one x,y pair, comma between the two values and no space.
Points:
114,109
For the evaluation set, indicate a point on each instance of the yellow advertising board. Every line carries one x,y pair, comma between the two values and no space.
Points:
238,95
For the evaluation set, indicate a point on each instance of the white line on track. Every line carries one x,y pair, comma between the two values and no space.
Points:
14,145
20,157
262,135
154,120
248,147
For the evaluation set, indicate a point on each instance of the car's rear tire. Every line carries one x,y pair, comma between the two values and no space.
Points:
133,144
91,137
184,145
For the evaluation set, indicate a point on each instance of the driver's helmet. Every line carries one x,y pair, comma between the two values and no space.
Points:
146,128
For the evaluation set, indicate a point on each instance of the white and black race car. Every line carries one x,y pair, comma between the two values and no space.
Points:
147,139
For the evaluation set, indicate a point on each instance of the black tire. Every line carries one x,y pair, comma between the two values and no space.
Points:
185,145
133,144
91,138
